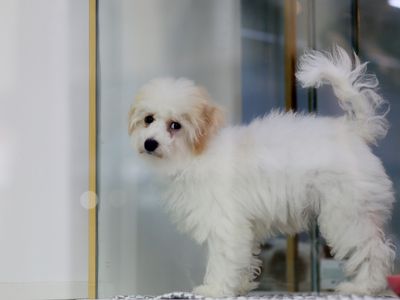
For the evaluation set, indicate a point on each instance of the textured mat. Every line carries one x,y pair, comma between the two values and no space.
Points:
182,295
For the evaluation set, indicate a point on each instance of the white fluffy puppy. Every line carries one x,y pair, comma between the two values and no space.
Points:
234,187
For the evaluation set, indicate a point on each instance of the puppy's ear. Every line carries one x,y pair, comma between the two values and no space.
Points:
210,119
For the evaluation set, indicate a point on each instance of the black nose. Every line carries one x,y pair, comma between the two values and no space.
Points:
150,145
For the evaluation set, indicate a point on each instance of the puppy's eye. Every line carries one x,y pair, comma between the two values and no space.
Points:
175,126
149,119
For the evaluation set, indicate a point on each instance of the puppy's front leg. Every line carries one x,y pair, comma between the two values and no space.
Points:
229,263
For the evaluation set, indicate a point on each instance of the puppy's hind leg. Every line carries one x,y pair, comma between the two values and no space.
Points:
354,230
371,264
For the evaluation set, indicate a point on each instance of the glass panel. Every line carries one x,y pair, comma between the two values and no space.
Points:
333,25
235,50
140,251
262,57
322,24
379,24
232,48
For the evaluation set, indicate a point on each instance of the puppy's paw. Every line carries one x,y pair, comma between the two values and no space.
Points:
247,286
208,290
350,288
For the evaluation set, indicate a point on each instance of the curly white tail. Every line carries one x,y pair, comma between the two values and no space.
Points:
355,89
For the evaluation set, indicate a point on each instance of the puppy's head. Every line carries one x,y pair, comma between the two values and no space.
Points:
172,120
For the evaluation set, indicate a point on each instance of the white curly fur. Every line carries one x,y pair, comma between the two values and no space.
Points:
234,187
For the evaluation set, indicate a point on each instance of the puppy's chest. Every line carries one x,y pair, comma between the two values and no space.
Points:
188,194
191,205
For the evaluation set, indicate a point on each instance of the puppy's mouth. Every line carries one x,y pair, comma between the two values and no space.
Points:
151,153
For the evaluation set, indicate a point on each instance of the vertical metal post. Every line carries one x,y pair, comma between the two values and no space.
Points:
312,108
355,26
291,104
92,272
311,41
315,266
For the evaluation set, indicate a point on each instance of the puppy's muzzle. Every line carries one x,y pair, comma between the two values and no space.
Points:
150,145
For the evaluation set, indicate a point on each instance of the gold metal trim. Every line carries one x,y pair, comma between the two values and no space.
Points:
290,104
291,263
92,272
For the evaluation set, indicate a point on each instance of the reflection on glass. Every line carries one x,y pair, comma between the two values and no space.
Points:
234,49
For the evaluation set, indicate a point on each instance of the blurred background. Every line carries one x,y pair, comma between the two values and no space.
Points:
236,49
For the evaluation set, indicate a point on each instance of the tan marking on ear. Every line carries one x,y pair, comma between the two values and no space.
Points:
138,97
132,124
211,119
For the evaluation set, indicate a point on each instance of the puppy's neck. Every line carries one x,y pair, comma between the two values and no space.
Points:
187,163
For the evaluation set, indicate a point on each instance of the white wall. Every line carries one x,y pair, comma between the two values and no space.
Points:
43,148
